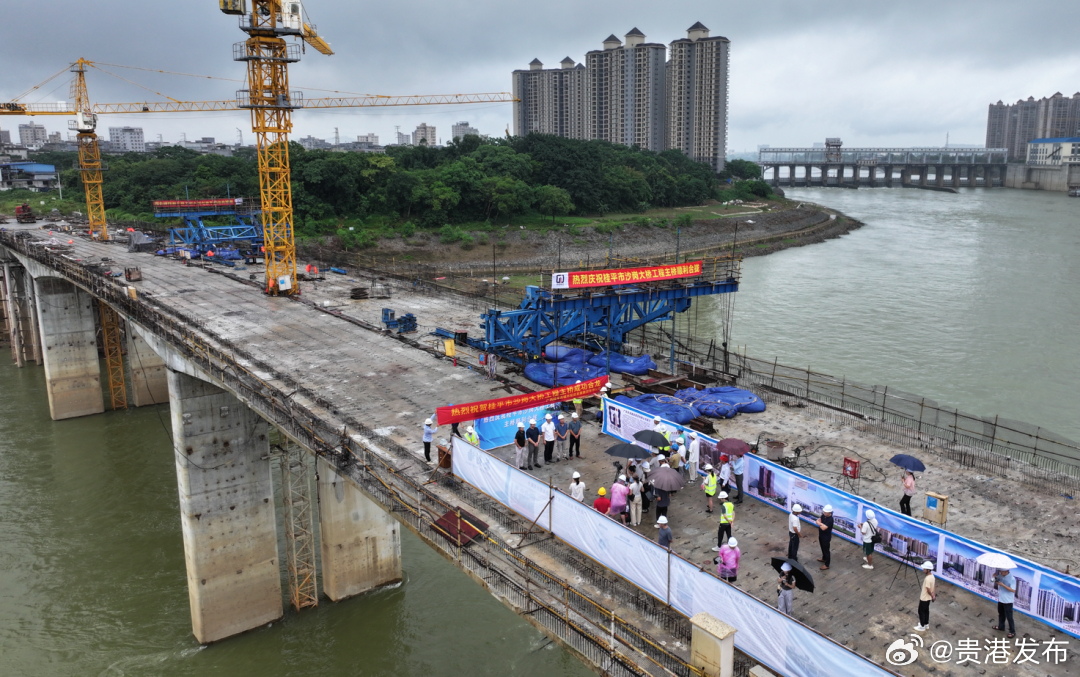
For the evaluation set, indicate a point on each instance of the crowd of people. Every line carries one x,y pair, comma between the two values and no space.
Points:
632,495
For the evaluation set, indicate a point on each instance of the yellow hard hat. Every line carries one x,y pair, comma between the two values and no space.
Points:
602,491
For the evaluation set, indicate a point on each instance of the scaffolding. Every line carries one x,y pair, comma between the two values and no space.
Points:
299,532
114,356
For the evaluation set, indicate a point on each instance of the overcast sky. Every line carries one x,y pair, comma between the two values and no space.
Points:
903,73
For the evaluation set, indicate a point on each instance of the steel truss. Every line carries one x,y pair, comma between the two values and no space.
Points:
299,531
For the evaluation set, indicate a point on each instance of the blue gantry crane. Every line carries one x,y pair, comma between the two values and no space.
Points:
197,235
596,318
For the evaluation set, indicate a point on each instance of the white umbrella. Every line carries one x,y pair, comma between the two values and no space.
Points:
996,560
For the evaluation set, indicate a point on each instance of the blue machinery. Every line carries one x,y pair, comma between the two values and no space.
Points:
200,236
597,319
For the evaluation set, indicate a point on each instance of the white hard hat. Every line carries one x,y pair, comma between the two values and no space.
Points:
574,415
693,434
869,514
622,478
428,422
722,494
576,475
708,466
576,382
521,425
532,421
561,416
661,520
796,508
827,508
547,417
680,440
928,565
470,429
655,419
785,567
732,543
604,387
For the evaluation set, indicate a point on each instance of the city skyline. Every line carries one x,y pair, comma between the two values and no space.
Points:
870,102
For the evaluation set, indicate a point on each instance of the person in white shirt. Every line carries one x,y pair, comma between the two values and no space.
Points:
548,429
636,489
725,472
577,488
868,530
794,527
693,455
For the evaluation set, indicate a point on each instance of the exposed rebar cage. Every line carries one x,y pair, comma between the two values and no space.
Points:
299,532
114,356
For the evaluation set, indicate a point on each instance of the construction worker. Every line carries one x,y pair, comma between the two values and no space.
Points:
709,485
575,436
471,437
659,427
727,518
693,454
532,438
577,405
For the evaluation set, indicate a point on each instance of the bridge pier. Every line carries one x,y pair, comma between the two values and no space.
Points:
227,516
35,324
69,338
149,377
361,542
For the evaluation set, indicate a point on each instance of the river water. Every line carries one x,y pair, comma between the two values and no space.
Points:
92,578
969,299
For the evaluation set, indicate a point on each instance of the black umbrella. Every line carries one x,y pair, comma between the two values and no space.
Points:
624,450
651,438
667,479
908,462
803,581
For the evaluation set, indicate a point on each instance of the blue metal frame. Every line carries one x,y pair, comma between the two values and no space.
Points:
545,316
198,235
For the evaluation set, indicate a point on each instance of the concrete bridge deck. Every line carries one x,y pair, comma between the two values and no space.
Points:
378,389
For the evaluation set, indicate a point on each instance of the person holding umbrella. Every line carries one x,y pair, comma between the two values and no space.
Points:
912,465
1005,584
785,589
738,468
927,594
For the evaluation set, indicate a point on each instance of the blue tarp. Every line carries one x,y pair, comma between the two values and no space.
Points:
564,353
722,402
569,373
664,406
620,364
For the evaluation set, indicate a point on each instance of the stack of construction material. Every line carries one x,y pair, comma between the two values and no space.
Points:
359,293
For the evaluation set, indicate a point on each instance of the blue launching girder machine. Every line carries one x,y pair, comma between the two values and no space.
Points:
597,318
246,226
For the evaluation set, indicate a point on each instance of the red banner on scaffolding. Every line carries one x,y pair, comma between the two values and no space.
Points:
601,278
505,405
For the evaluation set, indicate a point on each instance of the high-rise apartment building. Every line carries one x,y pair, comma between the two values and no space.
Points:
1013,126
372,139
425,132
625,97
404,139
551,101
127,140
697,96
634,93
5,138
33,135
460,130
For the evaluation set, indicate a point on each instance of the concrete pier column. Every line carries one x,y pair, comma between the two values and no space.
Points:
939,175
791,176
34,335
924,172
11,312
226,510
361,544
712,645
69,340
149,378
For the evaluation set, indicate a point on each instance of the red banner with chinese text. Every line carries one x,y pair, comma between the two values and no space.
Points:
505,405
599,278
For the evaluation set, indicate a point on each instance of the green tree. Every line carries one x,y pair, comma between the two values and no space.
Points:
741,169
553,200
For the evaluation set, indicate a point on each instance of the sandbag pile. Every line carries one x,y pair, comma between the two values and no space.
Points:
621,364
722,402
